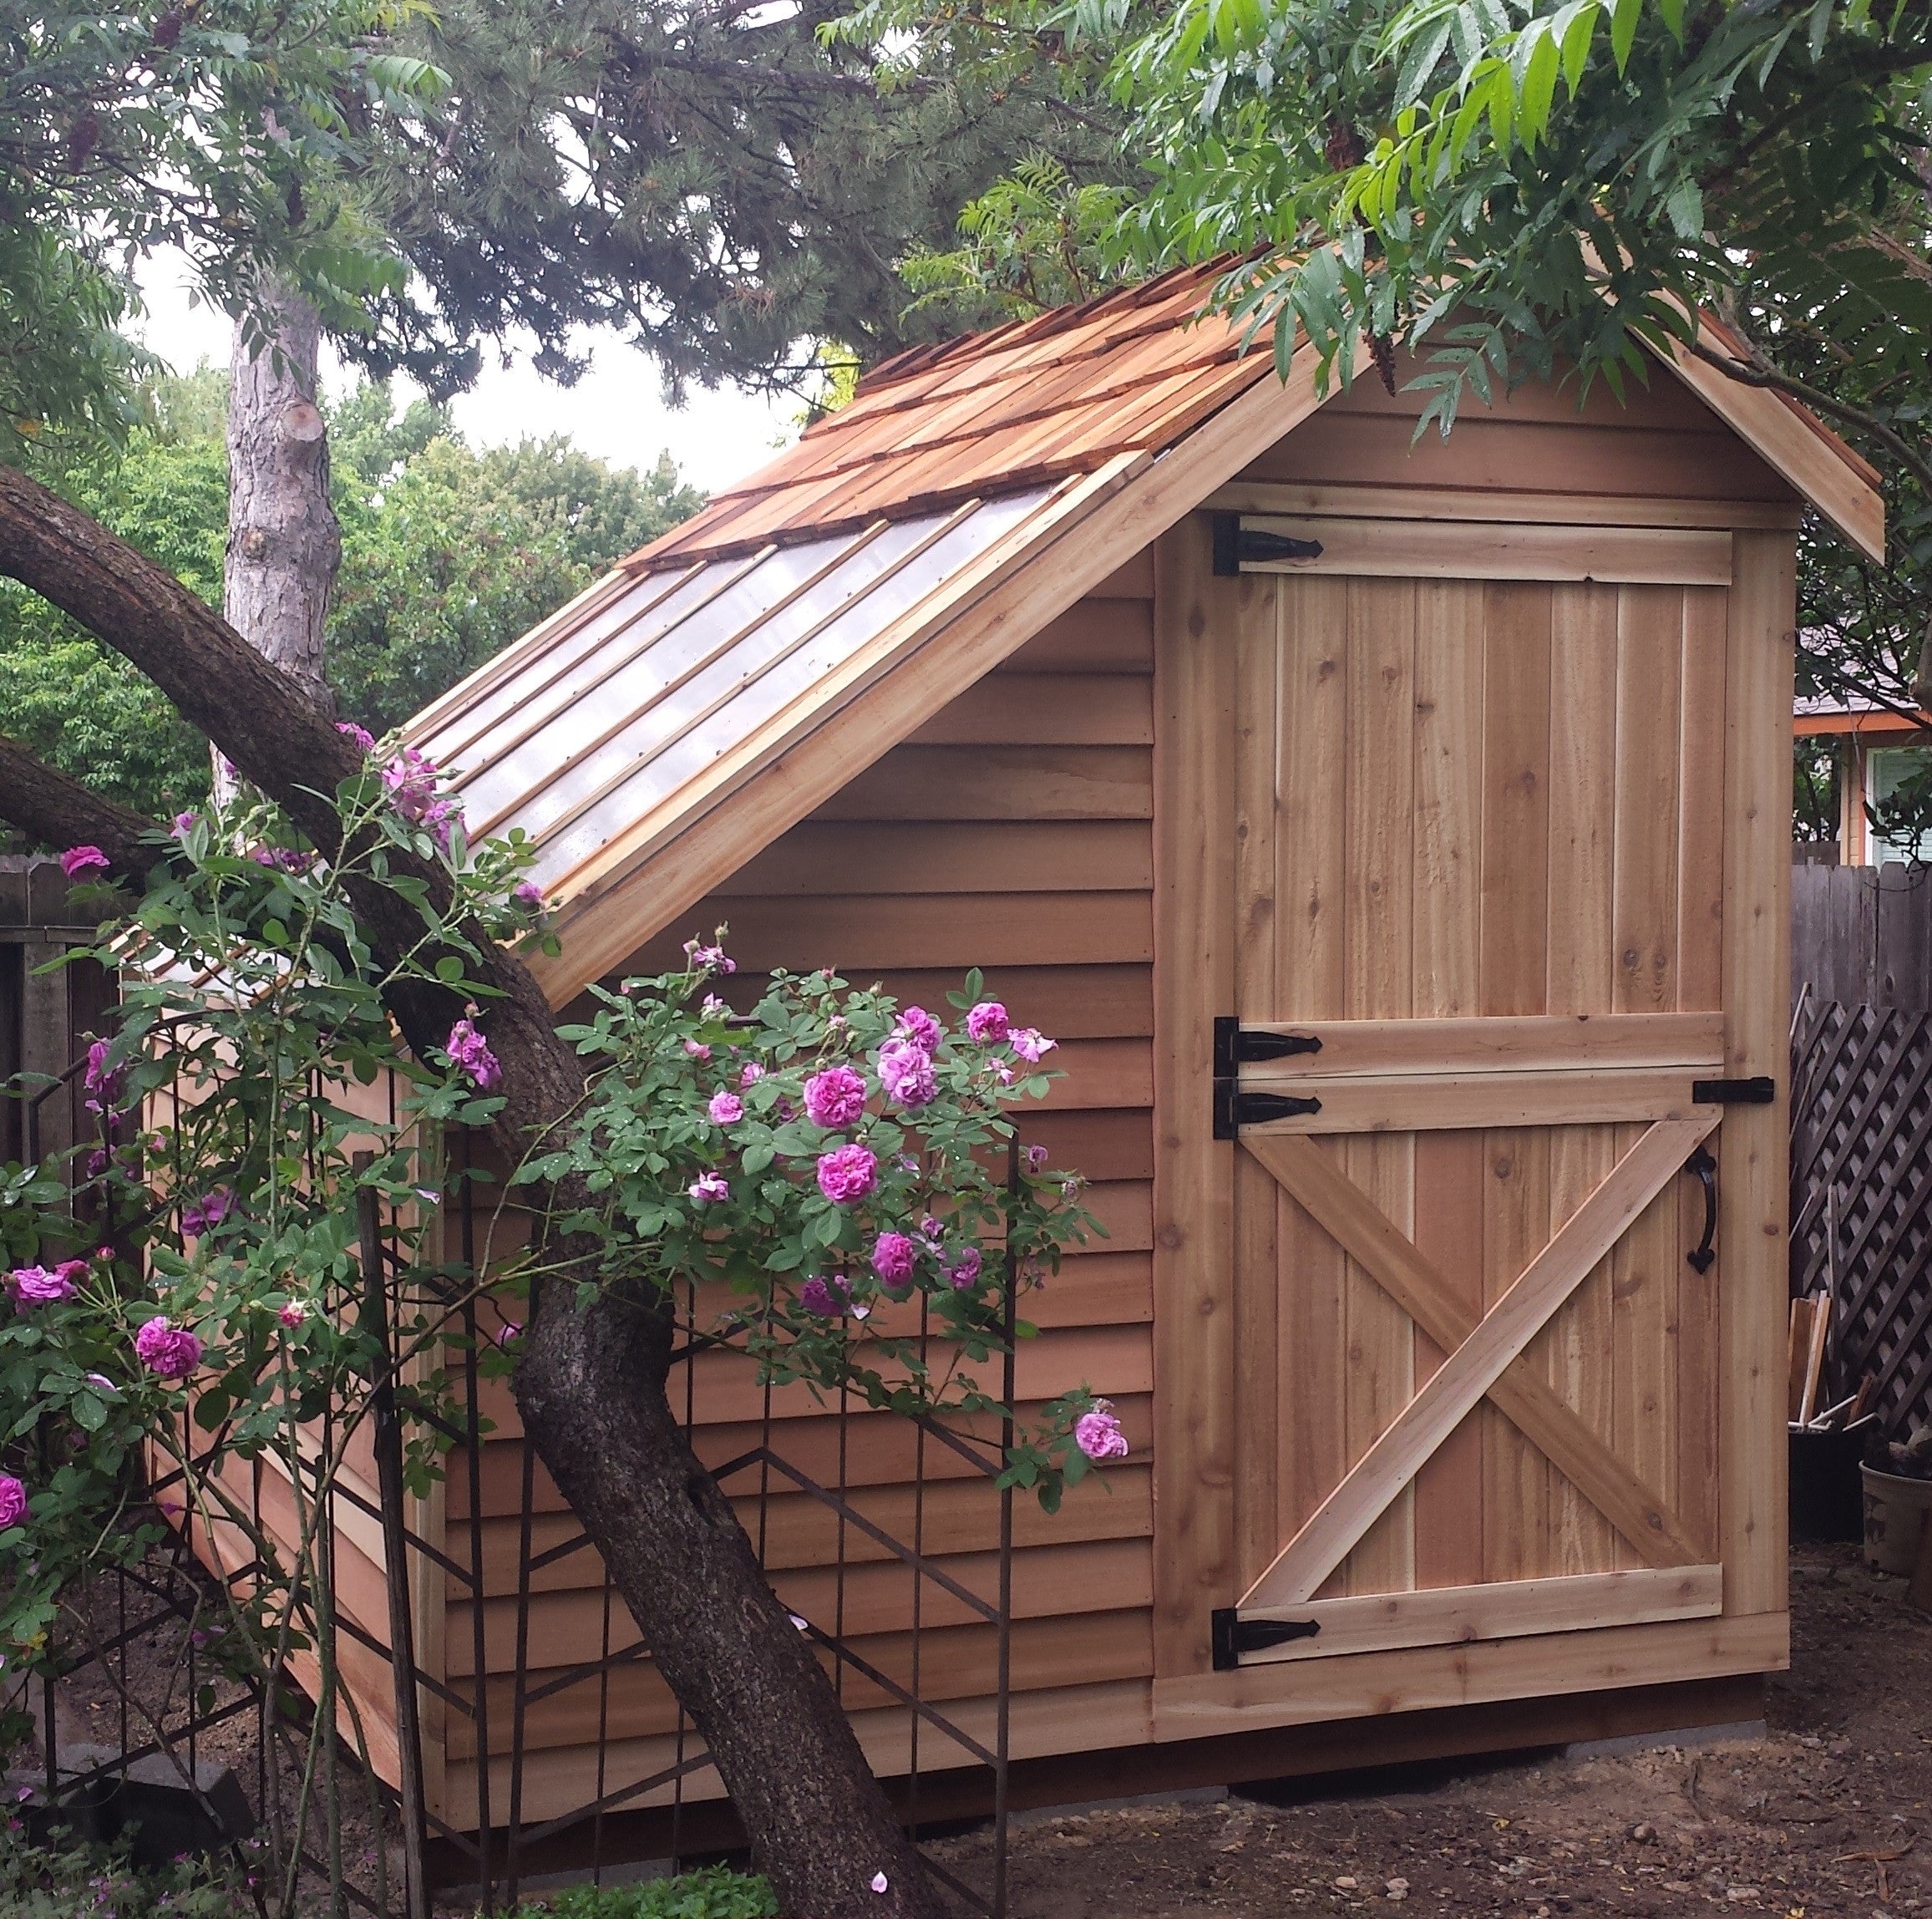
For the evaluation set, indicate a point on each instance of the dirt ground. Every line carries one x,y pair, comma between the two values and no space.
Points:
1825,1815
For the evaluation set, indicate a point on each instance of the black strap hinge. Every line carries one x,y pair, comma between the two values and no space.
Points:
1236,1045
1232,1635
1234,1109
1236,544
1758,1092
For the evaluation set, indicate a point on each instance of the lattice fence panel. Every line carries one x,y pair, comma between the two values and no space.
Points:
1861,1196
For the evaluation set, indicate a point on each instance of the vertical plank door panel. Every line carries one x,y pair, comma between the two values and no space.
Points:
1257,1492
1448,929
1193,1173
1518,631
1379,806
1310,965
1583,750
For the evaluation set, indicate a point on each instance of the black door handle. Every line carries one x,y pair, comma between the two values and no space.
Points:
1706,1168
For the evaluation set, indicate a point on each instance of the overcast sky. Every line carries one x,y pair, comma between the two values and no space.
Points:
615,411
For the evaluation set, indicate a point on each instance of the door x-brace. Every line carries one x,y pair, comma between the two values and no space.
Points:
1484,1355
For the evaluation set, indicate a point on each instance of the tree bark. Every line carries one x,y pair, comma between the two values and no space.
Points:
590,1380
284,545
55,809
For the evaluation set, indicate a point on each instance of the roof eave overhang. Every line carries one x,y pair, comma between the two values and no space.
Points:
1797,446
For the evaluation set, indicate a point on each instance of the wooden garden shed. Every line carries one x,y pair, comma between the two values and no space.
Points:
1396,836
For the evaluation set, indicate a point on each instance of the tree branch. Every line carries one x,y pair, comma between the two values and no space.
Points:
55,809
1755,373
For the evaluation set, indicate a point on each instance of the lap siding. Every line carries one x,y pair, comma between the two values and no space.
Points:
1012,833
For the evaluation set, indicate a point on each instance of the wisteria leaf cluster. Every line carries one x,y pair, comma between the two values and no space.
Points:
1523,188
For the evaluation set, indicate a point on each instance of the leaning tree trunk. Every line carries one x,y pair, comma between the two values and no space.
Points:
591,1382
284,545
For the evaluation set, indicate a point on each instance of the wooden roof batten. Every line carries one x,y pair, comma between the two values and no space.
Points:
721,684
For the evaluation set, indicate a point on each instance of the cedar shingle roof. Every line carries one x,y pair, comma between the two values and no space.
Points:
1001,411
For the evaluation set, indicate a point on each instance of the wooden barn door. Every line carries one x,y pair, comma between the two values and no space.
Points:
1473,1071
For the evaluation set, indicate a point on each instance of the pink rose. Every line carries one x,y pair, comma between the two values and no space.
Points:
360,735
726,1108
411,780
1036,1159
987,1024
816,1295
103,1083
1098,1435
847,1173
920,1028
529,895
169,1351
469,1052
965,1270
834,1098
707,1187
893,1257
752,1074
208,1211
12,1501
293,1314
35,1286
76,862
697,1049
906,1075
1030,1044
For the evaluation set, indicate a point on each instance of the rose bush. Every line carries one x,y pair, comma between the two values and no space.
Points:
827,1182
837,1231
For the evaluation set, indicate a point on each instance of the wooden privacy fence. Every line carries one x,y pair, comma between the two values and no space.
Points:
45,1015
1863,935
1861,1195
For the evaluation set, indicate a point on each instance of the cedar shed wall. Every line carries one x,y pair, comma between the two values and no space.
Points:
1013,833
1016,832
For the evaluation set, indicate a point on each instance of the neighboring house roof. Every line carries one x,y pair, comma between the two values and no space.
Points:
1814,715
770,648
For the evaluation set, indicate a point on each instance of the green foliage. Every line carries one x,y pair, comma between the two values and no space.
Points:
1037,239
721,185
711,1892
66,371
1814,789
87,1882
62,694
1537,183
126,129
447,555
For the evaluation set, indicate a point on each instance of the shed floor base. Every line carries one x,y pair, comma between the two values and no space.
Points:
1337,1758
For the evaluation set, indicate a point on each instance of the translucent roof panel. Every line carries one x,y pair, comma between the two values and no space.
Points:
576,734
